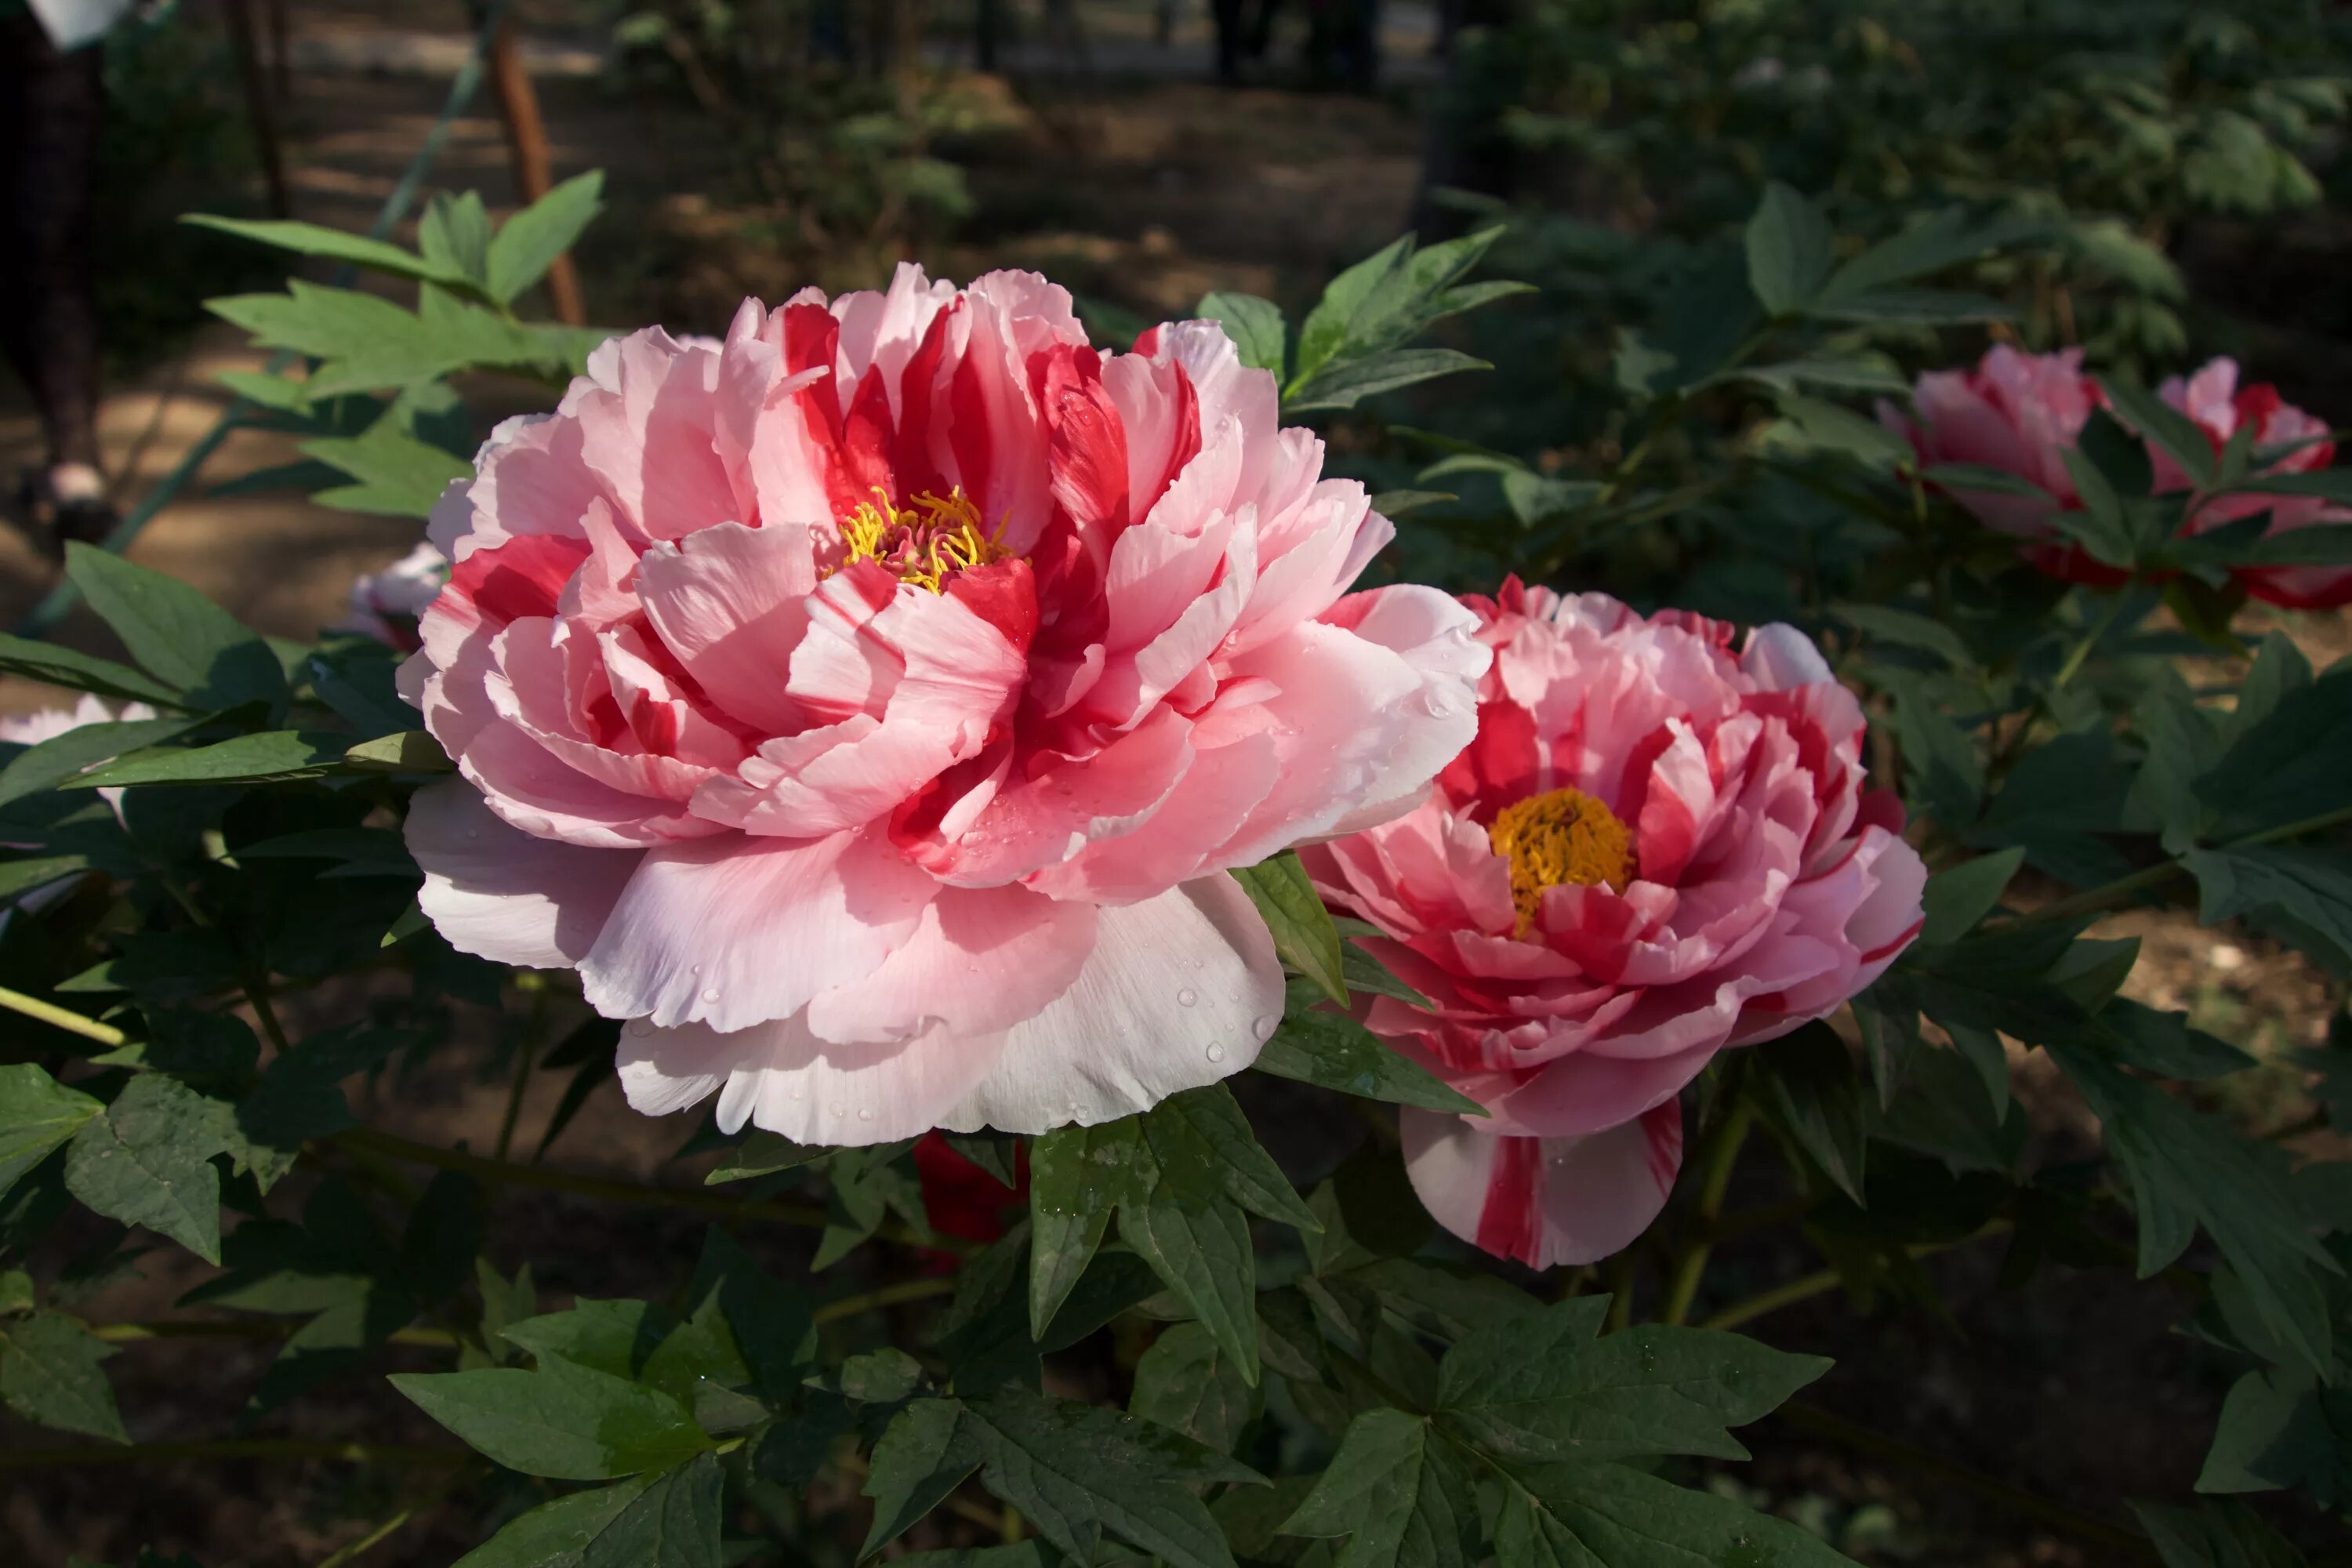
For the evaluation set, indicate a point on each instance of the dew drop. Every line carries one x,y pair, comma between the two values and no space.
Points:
1216,1053
799,1093
1187,996
711,995
840,1109
696,970
1265,1025
864,1113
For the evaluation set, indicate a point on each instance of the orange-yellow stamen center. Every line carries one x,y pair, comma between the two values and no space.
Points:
1561,836
925,541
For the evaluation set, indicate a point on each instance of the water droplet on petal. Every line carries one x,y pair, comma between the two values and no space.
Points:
840,1109
799,1093
1187,996
1265,1025
696,970
864,1113
1216,1053
711,995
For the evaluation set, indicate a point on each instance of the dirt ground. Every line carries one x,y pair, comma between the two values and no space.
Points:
1145,194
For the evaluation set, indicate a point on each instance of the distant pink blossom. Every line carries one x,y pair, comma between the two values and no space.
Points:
869,706
387,604
1658,848
47,725
2020,413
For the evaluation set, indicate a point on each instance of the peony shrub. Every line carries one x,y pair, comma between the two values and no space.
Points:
1182,1043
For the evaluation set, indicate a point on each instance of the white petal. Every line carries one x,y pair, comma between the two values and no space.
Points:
497,892
1181,991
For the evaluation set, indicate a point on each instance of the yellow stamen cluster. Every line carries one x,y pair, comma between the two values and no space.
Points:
1561,836
926,542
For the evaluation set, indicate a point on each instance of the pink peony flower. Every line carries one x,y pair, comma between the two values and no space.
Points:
386,605
2019,413
2213,398
869,706
1655,849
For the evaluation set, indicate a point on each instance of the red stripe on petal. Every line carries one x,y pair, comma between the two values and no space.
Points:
519,580
1510,1224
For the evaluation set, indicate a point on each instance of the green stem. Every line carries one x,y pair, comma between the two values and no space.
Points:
1877,1444
63,1018
1715,1159
2097,634
371,1539
1827,1280
232,1328
525,1055
2109,894
509,1172
231,1448
887,1296
256,991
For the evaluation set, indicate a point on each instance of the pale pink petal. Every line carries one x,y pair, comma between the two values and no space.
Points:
1181,991
982,960
728,601
734,932
501,894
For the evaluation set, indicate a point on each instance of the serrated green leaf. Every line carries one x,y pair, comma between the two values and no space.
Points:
1787,248
59,758
920,1458
51,1375
1607,1516
1078,1175
1944,240
2309,884
1545,1389
38,1115
1076,1471
455,236
613,1337
1304,936
527,244
1348,381
147,1161
1399,1491
1806,1087
2279,1427
1201,1249
554,1534
1909,629
409,752
1254,325
2215,1535
1186,1382
2166,428
398,474
564,1421
673,1523
333,244
1201,1142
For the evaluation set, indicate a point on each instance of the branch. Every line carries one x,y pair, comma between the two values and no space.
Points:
233,1448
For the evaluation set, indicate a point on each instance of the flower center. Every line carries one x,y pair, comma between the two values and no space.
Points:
926,541
1561,836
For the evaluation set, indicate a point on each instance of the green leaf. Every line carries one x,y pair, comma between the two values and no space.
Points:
564,1421
455,236
271,756
528,243
1787,244
1078,1175
1201,1142
365,342
1185,1381
1304,936
1333,1051
54,760
1199,1245
1076,1471
1807,1086
1608,1516
1959,896
1918,306
1348,381
2290,762
409,752
176,634
333,244
673,1523
2169,430
18,878
611,1337
764,1155
398,474
51,1375
1960,477
2280,1428
1254,325
147,1161
80,671
38,1115
2215,1535
1909,629
2311,886
1546,1389
554,1534
1944,241
1401,1494
2188,1170
921,1456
